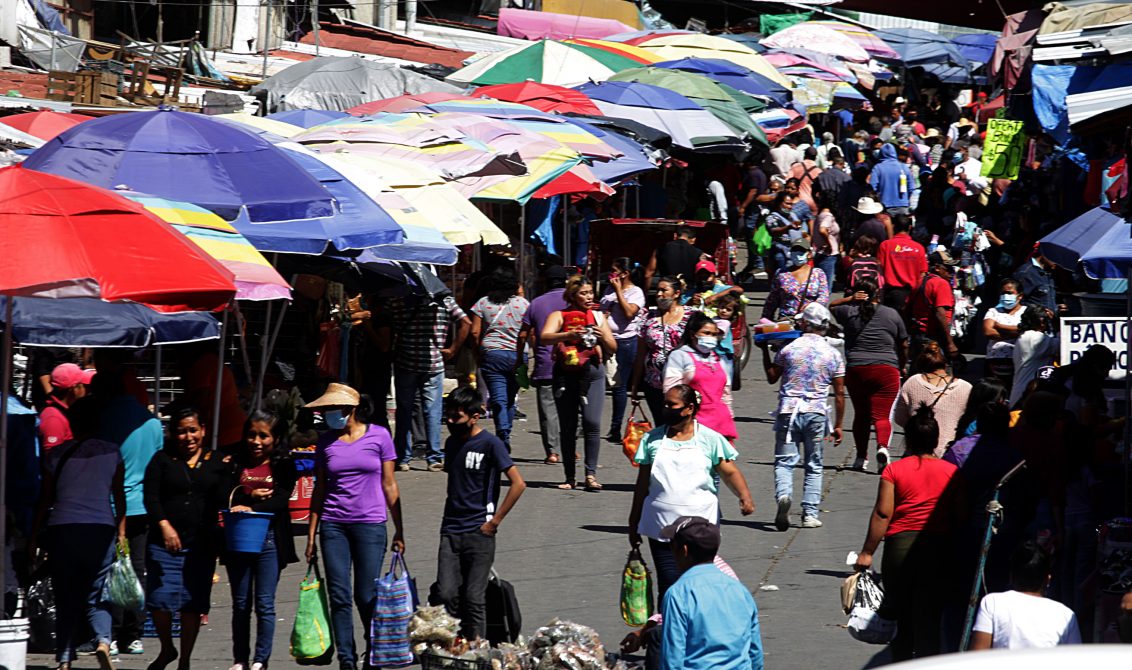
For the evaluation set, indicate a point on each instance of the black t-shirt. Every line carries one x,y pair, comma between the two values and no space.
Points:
873,342
473,467
873,228
678,257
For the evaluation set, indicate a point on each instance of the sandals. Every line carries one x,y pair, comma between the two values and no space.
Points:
568,486
551,459
592,484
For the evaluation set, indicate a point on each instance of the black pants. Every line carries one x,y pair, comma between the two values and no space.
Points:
463,568
128,625
914,590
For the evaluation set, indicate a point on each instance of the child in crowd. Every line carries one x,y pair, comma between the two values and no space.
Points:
726,308
709,290
1023,617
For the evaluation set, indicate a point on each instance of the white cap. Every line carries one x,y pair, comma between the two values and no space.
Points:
815,314
899,101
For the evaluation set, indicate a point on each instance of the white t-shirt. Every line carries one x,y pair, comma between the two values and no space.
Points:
1020,621
1003,348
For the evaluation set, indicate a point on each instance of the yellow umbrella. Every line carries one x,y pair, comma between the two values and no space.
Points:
260,123
699,45
435,203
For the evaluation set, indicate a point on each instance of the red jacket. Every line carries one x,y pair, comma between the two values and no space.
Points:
903,261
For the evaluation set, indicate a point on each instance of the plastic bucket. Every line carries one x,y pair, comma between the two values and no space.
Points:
13,644
246,531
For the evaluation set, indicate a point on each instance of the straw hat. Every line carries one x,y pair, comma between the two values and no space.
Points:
867,205
337,395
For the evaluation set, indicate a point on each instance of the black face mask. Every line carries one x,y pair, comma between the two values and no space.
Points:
672,417
460,429
707,285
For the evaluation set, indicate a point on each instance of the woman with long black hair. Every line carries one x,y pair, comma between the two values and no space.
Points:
263,481
876,348
697,364
355,492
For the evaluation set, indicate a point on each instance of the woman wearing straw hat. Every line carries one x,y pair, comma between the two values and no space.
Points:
354,485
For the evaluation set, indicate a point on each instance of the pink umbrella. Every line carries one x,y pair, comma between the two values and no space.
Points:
874,45
817,38
403,103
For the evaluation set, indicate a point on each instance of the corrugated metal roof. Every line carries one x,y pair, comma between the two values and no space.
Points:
1081,106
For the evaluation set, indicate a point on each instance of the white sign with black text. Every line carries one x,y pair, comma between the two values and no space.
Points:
1080,333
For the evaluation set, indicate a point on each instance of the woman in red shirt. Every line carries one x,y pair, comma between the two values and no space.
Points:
913,512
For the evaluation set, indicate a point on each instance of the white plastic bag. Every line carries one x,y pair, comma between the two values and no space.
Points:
865,624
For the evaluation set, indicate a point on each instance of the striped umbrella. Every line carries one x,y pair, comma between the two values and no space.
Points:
697,45
543,97
820,38
255,279
868,41
545,61
402,102
642,56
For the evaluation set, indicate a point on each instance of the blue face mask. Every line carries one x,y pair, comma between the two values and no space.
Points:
335,419
798,259
707,343
1007,300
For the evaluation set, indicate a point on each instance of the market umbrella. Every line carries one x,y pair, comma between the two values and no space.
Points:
1068,244
634,156
44,125
977,48
778,123
798,61
255,278
864,38
90,322
544,97
688,124
307,118
186,157
698,45
579,180
817,38
545,61
736,76
642,56
535,25
416,138
402,103
260,124
339,83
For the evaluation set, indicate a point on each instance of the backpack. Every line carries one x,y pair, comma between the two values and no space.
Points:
571,357
863,268
504,620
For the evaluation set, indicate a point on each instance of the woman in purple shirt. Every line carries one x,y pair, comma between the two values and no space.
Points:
354,484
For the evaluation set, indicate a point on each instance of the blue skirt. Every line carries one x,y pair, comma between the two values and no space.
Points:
178,581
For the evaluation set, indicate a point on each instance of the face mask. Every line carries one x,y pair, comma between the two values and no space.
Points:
459,429
706,343
1007,300
798,259
707,285
335,419
673,417
664,304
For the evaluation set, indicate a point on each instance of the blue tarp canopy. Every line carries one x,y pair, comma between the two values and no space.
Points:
920,47
977,48
1052,83
88,322
1068,244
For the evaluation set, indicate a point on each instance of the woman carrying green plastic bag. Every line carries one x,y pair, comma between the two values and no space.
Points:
636,590
312,638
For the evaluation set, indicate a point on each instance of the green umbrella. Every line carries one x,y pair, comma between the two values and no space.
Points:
545,61
725,103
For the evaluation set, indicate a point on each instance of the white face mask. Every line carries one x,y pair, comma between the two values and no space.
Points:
706,343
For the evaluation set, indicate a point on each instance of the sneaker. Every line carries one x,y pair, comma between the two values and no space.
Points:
136,647
113,648
811,522
613,438
861,463
781,519
436,467
86,648
882,459
259,665
403,467
238,666
519,415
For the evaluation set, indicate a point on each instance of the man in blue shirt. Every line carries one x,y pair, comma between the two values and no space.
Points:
711,621
473,459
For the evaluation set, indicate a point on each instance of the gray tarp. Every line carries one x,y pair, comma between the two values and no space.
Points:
339,83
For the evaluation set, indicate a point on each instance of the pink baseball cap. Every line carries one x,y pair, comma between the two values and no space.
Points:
66,375
706,265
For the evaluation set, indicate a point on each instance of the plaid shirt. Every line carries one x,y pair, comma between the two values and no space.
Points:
422,331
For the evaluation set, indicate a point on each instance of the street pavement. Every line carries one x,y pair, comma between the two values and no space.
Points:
564,550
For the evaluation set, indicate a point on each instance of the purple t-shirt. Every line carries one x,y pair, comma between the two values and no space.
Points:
353,476
541,308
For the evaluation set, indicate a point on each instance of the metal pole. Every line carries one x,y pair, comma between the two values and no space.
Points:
410,16
566,255
522,239
157,381
263,339
1127,391
266,40
215,427
6,380
314,24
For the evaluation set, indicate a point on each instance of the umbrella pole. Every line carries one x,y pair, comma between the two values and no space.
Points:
157,380
566,253
267,41
263,340
6,380
522,237
215,427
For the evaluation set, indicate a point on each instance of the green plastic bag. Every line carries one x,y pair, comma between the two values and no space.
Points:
122,587
636,590
763,240
312,639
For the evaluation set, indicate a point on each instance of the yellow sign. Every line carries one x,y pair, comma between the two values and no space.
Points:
1002,150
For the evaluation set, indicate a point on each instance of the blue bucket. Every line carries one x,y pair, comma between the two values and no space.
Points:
245,532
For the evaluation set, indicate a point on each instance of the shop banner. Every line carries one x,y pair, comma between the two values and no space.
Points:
1080,333
1003,149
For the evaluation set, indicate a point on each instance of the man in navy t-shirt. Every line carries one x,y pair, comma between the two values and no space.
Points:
474,459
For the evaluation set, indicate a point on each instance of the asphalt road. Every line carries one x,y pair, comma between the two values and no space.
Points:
564,551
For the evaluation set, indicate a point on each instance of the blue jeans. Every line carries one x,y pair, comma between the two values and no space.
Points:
80,557
626,356
498,369
363,546
808,429
778,258
254,575
828,265
418,390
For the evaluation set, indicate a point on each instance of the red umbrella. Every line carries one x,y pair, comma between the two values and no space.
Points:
544,97
44,125
579,180
403,102
93,243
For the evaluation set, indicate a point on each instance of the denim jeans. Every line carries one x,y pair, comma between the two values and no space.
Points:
547,415
427,390
363,546
626,356
81,554
583,392
828,265
498,369
778,259
463,568
808,429
254,577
